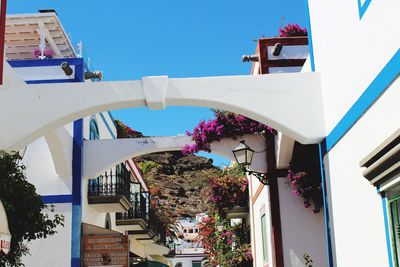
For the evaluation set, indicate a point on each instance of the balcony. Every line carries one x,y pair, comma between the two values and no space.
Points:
140,221
110,192
137,217
230,195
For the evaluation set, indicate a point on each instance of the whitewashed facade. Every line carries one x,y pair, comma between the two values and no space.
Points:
55,162
351,76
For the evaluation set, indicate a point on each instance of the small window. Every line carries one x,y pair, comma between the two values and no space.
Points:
190,231
94,130
264,238
108,221
185,231
394,213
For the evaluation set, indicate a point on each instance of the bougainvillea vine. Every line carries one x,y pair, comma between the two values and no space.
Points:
291,30
225,125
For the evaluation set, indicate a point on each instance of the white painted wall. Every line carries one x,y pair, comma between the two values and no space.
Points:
302,230
350,52
40,170
56,249
262,203
90,214
356,208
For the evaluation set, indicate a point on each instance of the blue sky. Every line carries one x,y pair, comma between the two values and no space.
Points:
129,39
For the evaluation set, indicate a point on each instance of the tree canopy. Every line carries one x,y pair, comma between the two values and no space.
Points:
24,209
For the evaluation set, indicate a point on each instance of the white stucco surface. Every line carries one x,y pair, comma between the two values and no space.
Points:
54,250
356,207
40,170
261,206
350,52
258,97
302,230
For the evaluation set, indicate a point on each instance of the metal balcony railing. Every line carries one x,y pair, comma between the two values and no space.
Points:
111,183
140,202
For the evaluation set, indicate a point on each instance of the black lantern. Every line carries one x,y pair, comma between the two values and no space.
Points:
244,155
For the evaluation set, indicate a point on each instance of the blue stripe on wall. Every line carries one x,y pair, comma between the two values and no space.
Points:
52,81
321,148
322,151
107,125
53,199
362,8
111,116
77,62
387,231
76,190
77,155
388,74
45,62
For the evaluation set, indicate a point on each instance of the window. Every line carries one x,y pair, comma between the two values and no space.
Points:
94,130
264,238
190,231
108,221
196,264
394,213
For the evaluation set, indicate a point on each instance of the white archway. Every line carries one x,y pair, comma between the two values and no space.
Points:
290,103
101,155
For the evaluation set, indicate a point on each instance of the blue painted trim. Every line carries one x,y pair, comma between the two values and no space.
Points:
77,62
43,63
321,148
52,81
387,229
362,8
76,189
107,125
75,262
111,116
52,199
310,41
378,86
77,161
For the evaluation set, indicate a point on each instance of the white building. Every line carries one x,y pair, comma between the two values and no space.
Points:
360,92
186,251
117,202
345,101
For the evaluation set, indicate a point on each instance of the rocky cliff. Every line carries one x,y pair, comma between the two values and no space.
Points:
183,180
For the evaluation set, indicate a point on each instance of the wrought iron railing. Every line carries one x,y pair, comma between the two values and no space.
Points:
111,183
158,227
140,202
141,209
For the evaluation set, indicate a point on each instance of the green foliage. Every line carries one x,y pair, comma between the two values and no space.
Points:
235,170
147,166
124,131
24,210
229,247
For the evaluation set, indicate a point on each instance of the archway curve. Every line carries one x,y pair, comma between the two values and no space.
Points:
101,155
290,103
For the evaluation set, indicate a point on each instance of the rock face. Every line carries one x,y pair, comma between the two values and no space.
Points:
183,180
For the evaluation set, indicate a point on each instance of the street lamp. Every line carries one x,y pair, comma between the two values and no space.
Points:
244,155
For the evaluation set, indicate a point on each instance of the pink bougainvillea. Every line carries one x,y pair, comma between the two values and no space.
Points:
291,30
303,186
225,125
229,191
47,53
